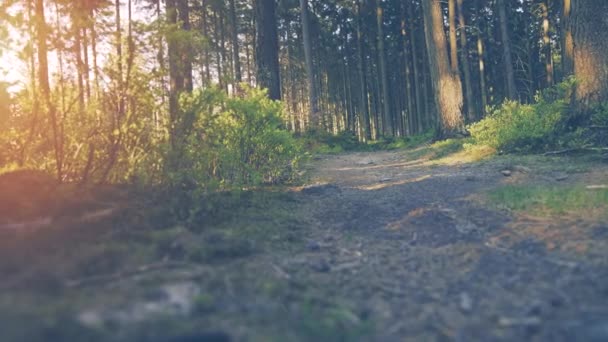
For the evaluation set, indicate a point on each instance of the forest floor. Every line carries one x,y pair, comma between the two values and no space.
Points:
384,246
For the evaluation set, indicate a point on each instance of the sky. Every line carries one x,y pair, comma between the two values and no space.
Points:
14,70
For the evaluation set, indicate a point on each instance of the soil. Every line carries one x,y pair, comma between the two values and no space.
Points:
383,246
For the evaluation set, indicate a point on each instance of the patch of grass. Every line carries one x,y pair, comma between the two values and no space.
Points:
332,324
550,200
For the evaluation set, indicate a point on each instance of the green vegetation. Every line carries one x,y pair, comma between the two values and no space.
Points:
517,127
550,200
232,142
549,123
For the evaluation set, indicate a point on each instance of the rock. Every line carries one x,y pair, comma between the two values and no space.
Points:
521,168
561,177
523,321
506,173
385,179
320,266
466,303
320,189
365,162
471,178
313,246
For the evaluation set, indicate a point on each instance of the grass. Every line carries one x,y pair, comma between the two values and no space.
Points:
550,200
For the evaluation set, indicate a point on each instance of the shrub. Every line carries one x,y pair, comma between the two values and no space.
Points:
231,142
516,127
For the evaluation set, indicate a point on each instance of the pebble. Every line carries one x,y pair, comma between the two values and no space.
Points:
466,303
506,173
313,246
320,266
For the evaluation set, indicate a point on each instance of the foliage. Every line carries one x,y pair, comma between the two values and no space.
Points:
550,200
516,127
326,143
231,142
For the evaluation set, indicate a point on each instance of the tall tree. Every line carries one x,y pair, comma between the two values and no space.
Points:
567,39
453,36
235,42
547,50
267,48
387,122
589,26
470,102
506,48
313,105
446,83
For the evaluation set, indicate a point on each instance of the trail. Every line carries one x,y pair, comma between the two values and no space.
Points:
379,246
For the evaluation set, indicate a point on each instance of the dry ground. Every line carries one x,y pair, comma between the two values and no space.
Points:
385,246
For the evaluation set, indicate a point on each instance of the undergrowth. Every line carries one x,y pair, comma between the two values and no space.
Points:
550,200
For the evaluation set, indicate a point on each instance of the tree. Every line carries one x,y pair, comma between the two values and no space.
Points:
468,87
446,83
387,126
506,49
589,26
267,48
313,105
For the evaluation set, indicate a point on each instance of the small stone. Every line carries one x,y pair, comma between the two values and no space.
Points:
506,173
385,179
522,169
466,303
320,266
313,246
561,177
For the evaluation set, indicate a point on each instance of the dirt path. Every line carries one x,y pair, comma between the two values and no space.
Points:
380,247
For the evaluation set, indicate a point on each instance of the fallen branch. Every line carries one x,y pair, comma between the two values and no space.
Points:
578,149
125,274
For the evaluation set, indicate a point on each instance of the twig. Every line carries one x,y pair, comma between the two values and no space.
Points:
125,274
578,149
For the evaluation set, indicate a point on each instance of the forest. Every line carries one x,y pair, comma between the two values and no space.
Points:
216,170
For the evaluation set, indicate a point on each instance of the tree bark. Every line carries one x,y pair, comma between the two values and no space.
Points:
446,84
506,48
481,61
312,91
453,36
235,43
43,81
567,39
267,48
547,44
387,126
363,98
466,69
589,27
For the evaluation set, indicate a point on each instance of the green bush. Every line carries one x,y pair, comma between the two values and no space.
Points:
516,127
231,142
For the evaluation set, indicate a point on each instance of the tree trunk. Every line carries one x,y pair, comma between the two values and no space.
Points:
267,48
409,104
481,62
547,44
364,101
453,37
466,69
235,43
312,91
43,81
589,26
446,84
567,39
185,47
506,48
415,70
387,126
